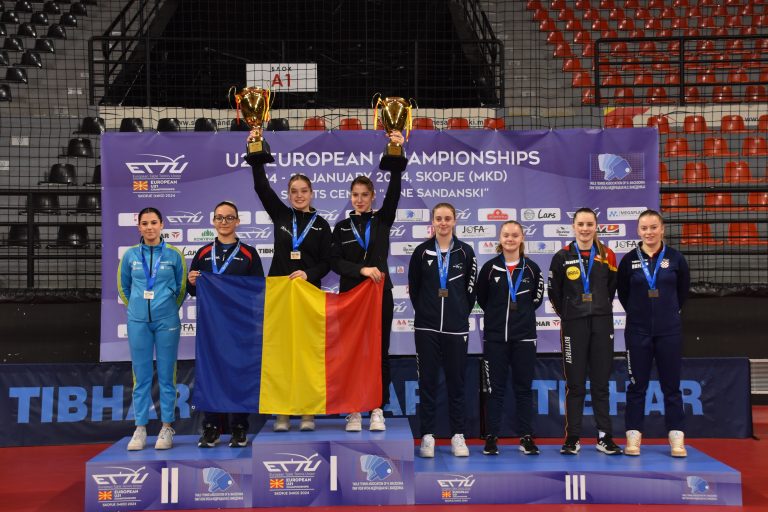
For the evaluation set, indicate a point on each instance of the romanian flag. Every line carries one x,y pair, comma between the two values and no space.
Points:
280,346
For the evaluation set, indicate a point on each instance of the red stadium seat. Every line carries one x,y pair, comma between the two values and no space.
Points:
733,22
626,24
655,4
617,14
738,76
660,122
733,124
643,79
692,95
698,234
423,123
637,33
642,14
720,202
350,123
677,148
591,14
762,123
572,64
672,79
754,146
695,124
721,31
555,37
664,174
647,47
669,13
582,37
680,3
722,94
738,172
676,202
747,10
588,50
758,201
631,4
692,32
583,4
600,26
314,123
557,4
588,96
705,45
573,26
673,46
565,14
458,123
693,12
619,49
532,5
624,95
755,94
493,123
607,4
696,172
657,95
581,79
562,50
706,22
540,14
716,146
719,10
547,25
744,233
653,24
707,77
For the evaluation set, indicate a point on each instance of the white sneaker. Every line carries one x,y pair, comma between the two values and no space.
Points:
307,423
427,448
354,422
634,438
139,439
677,443
165,439
282,423
459,446
377,421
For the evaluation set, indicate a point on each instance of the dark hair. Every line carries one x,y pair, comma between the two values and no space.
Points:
299,177
584,209
653,213
362,180
150,209
444,205
230,204
499,249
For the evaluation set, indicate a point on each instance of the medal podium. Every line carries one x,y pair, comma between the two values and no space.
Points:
330,467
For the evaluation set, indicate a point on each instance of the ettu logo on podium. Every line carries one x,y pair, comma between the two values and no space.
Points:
377,468
613,167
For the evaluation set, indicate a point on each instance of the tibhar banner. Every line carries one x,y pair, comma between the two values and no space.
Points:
537,178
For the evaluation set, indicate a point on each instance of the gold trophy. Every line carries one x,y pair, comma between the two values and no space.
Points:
254,104
395,115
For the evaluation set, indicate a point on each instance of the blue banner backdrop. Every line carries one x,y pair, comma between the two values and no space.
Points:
85,403
538,178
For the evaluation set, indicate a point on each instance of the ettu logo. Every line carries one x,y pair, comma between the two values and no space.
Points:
377,468
613,167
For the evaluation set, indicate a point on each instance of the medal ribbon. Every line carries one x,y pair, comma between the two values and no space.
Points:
585,275
297,241
215,266
648,277
443,264
151,276
363,244
513,288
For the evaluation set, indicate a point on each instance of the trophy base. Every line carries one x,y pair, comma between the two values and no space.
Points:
393,163
258,153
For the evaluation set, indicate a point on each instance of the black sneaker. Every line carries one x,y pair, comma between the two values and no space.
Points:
239,437
527,446
571,446
209,438
491,447
607,446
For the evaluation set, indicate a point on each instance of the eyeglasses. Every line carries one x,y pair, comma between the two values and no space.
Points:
222,219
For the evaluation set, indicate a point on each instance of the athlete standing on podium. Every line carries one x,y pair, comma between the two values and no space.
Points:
225,255
441,283
653,284
360,250
582,284
302,246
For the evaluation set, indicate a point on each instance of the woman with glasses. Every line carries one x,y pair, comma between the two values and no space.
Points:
225,255
152,279
302,242
360,250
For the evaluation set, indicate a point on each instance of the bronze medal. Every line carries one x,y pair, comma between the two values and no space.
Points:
442,292
586,297
295,255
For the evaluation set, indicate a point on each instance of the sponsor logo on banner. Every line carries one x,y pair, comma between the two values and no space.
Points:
619,322
397,231
294,463
265,250
464,214
422,231
122,330
379,474
397,269
375,468
456,488
496,214
476,231
625,213
402,248
597,211
413,215
489,247
217,479
173,235
625,171
548,324
400,307
611,230
261,217
400,291
192,312
529,229
535,214
402,325
128,219
698,490
188,329
254,233
330,289
201,235
558,230
121,486
330,215
182,217
472,324
542,246
622,245
156,175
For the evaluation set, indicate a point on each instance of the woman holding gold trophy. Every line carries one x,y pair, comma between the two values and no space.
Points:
360,250
302,239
